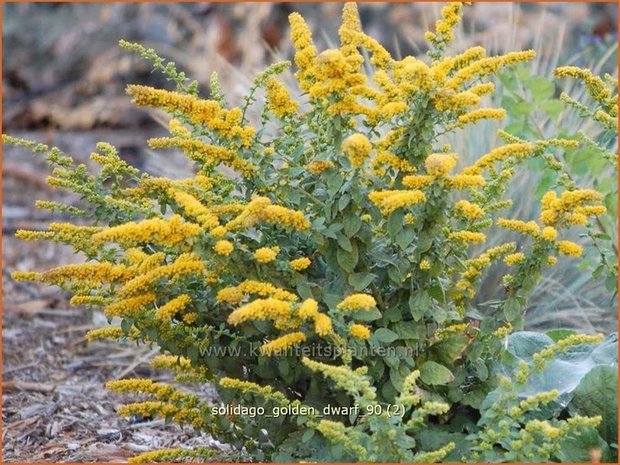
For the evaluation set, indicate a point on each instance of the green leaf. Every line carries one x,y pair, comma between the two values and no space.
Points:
385,335
352,224
343,201
553,107
410,330
559,334
419,304
347,260
404,238
395,223
366,315
576,448
344,242
512,309
540,87
433,373
361,281
597,394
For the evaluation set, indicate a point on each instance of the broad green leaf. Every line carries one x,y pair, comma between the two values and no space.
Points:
361,281
433,373
597,394
384,335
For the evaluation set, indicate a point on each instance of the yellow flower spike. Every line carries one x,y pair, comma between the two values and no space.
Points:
570,248
223,248
481,113
266,254
417,181
425,265
468,236
517,150
77,300
308,310
465,181
171,232
389,201
300,264
260,309
305,51
174,306
444,27
316,167
177,129
438,164
551,260
357,147
549,233
323,325
514,259
487,66
279,101
111,332
359,331
279,345
469,210
192,206
129,307
530,228
235,294
357,302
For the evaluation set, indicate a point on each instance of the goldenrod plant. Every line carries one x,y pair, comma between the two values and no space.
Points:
318,267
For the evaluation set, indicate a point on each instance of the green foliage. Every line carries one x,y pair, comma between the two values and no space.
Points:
317,267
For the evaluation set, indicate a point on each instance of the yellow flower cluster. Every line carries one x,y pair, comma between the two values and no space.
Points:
468,236
209,156
530,228
475,266
171,455
279,100
262,309
261,209
517,150
235,294
357,147
385,158
193,207
309,310
570,248
89,300
356,302
171,232
417,181
316,167
173,307
594,85
223,247
425,265
184,264
247,386
129,307
266,254
201,112
481,113
438,164
444,27
305,52
359,331
487,66
571,208
300,264
469,210
514,258
282,343
465,181
111,332
549,233
391,200
90,274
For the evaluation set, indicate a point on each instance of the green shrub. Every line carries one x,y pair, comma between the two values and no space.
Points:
317,268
